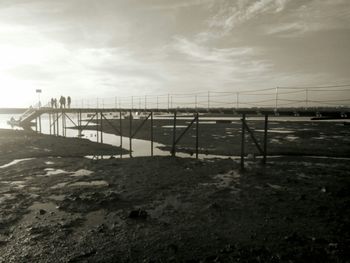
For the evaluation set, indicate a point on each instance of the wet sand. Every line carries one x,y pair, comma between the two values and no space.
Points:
18,144
163,209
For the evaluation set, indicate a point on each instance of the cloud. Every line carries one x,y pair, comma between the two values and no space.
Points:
232,14
163,5
313,16
205,54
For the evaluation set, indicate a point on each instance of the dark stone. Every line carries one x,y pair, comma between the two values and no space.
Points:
138,214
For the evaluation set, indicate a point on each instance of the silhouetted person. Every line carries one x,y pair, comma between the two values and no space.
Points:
52,102
62,102
69,100
55,102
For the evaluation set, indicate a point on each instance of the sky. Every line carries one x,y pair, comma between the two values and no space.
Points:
104,49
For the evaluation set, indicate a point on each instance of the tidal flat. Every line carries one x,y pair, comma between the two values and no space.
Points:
58,206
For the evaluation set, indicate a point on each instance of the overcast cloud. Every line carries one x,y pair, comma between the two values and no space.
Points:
107,48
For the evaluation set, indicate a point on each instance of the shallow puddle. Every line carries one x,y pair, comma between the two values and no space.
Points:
59,185
57,197
51,171
227,180
170,202
177,126
18,184
292,138
275,131
82,172
91,183
5,197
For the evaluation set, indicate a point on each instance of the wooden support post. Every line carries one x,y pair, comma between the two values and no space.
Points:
173,153
79,124
101,125
62,123
54,124
168,101
130,133
58,124
97,135
36,124
50,123
197,133
151,133
65,124
265,138
243,142
121,134
39,123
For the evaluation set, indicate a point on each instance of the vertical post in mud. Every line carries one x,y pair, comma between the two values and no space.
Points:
130,133
39,123
79,124
208,101
265,137
54,123
168,102
58,124
101,125
50,123
121,134
65,124
97,137
36,124
242,141
197,134
62,123
174,136
151,133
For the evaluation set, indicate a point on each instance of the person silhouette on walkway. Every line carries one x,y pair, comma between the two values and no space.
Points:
52,102
62,102
55,102
69,100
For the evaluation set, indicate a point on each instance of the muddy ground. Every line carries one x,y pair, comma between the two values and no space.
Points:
284,137
164,209
18,144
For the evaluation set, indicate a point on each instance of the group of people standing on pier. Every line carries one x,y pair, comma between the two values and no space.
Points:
62,102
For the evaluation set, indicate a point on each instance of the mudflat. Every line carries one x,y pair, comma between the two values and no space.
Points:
224,138
60,207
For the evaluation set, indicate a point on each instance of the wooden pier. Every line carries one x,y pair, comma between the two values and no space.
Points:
59,117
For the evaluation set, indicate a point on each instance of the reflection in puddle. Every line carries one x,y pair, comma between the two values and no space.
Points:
15,162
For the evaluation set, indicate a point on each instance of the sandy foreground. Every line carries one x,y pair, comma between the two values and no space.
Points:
62,207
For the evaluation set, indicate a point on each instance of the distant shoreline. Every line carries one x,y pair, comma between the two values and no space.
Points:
12,110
